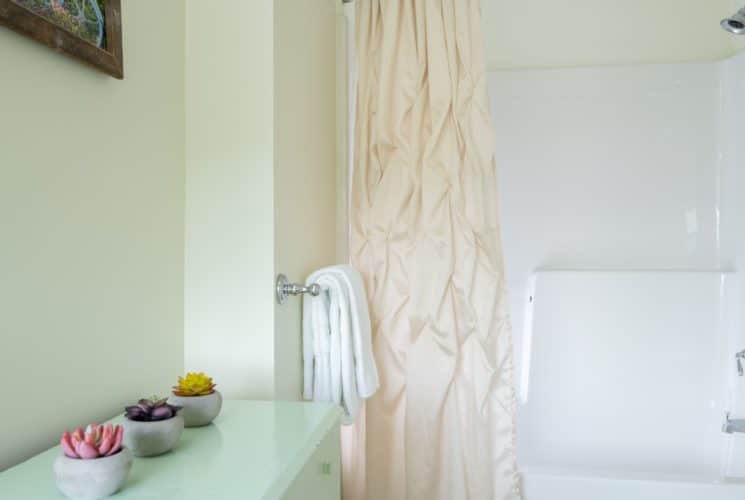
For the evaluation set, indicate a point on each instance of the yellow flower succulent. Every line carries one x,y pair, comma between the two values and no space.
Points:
194,384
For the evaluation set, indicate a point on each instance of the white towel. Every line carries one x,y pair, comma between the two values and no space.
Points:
338,363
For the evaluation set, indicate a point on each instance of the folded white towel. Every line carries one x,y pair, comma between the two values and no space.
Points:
338,363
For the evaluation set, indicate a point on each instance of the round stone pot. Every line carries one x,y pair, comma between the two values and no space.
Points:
148,439
92,479
198,410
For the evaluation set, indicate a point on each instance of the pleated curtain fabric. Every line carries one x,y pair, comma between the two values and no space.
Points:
425,235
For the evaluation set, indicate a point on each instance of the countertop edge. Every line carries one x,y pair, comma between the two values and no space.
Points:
291,472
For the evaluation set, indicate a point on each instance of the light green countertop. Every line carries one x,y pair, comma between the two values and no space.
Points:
253,450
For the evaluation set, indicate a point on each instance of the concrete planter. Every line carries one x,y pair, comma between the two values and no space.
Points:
148,439
198,410
92,479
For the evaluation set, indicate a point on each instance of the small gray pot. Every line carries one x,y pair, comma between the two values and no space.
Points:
92,479
198,410
148,439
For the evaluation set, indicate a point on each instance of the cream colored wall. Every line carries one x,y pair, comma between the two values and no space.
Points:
229,320
91,221
304,164
561,33
260,196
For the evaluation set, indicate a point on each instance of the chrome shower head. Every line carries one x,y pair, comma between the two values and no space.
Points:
736,23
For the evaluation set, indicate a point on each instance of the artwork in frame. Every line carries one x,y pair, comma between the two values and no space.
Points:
89,30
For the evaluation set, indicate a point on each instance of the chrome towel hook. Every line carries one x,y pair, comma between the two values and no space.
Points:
285,289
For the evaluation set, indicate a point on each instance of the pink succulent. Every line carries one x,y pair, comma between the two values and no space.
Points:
96,441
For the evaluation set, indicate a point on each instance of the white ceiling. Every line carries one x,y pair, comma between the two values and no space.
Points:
560,33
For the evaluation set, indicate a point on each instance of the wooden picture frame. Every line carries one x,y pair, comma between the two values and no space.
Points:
107,59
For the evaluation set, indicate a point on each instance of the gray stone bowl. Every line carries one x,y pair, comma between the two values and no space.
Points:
148,439
198,410
92,479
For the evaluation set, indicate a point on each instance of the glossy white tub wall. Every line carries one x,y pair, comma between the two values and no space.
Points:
627,374
732,74
602,168
627,168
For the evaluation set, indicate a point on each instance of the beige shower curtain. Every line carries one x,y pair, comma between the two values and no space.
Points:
425,235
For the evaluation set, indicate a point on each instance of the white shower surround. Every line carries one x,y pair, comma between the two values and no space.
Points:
557,485
627,381
629,168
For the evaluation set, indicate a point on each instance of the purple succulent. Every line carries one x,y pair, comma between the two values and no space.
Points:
151,410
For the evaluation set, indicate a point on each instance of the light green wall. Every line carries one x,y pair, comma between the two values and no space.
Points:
305,185
106,292
229,209
261,183
91,229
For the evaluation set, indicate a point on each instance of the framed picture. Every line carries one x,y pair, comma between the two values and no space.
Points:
89,30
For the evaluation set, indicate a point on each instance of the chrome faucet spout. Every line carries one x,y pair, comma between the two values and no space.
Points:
733,425
739,357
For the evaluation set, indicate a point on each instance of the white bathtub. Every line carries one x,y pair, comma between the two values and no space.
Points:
568,485
624,381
